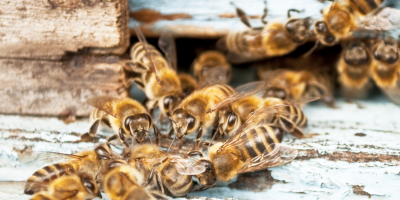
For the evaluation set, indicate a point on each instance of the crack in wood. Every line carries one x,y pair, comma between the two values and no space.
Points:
359,190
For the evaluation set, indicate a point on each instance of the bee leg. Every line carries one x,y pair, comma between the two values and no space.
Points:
198,137
90,136
134,67
265,13
158,177
157,133
293,10
290,127
111,138
122,137
242,15
158,196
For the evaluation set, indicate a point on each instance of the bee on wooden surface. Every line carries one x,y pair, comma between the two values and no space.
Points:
125,116
126,183
157,76
73,187
354,69
208,60
243,104
191,114
90,162
253,147
289,84
188,83
274,39
172,173
342,18
386,68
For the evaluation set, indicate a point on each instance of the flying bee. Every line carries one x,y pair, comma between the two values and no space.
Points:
208,60
386,68
90,162
126,183
288,84
73,187
354,69
274,39
188,83
172,173
157,76
255,146
191,114
125,116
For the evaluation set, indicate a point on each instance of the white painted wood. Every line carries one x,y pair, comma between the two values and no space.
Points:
329,165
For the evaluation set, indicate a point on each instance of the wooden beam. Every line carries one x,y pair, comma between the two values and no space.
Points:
56,87
46,29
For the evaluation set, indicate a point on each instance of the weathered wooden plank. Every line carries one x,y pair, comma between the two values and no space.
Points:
47,29
211,19
353,154
56,87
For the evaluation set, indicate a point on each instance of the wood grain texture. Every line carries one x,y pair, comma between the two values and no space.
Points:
53,87
353,154
46,29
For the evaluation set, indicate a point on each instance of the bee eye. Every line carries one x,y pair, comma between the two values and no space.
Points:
320,26
89,185
190,120
231,120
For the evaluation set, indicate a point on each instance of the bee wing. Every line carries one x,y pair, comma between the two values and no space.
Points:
298,101
241,91
44,158
167,45
384,19
142,40
280,155
213,76
103,103
188,165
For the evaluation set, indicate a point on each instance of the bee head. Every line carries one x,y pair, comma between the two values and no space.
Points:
138,126
183,122
299,29
386,51
324,35
356,54
207,178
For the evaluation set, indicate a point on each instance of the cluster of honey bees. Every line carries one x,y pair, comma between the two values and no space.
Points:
244,126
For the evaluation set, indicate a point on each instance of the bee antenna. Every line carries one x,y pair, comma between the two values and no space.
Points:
171,144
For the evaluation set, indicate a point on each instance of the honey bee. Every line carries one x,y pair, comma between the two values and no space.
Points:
191,114
289,84
172,173
354,69
188,83
90,162
342,18
125,183
72,187
275,38
243,104
253,147
386,68
125,116
157,76
208,60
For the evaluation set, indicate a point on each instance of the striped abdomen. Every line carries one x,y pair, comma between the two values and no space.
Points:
297,116
220,91
42,177
259,140
245,43
177,184
138,55
365,6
